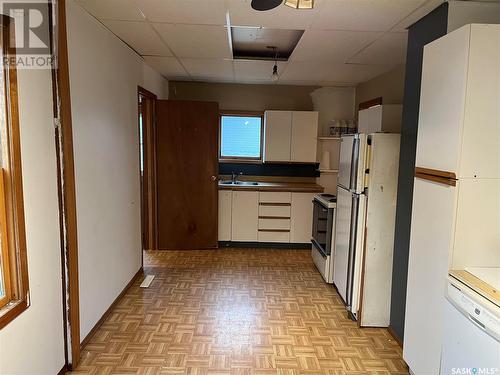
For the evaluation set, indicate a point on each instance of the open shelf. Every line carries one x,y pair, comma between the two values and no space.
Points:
329,138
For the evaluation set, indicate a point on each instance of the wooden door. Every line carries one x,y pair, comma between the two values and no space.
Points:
187,169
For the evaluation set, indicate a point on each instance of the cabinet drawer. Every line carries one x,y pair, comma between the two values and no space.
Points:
269,236
280,224
275,211
275,197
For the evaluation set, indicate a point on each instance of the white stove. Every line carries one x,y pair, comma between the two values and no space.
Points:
327,200
323,233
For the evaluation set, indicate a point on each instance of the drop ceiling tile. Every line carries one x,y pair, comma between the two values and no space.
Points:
282,17
197,41
354,73
249,70
333,46
169,67
126,10
305,71
419,13
202,12
140,36
363,15
389,49
212,69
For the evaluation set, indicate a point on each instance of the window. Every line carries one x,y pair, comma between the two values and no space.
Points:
241,137
14,290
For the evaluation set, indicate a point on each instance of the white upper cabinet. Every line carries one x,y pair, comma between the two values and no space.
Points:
304,137
459,123
278,133
290,136
381,118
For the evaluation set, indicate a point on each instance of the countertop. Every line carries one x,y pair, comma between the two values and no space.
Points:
301,187
482,280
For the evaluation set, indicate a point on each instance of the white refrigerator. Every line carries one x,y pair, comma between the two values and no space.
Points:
456,196
364,230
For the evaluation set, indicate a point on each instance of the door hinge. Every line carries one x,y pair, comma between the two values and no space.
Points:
57,123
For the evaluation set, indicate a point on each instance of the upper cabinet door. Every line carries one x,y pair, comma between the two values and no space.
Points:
278,131
304,137
442,101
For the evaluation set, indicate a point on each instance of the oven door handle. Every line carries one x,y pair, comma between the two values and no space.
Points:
318,247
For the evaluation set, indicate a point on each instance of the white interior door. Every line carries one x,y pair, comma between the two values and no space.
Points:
346,146
342,238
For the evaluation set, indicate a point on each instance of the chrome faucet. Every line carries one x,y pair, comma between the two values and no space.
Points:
234,177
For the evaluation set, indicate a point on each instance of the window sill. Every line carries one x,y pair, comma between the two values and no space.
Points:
12,311
241,161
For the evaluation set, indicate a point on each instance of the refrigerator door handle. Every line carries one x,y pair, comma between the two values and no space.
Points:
352,249
354,164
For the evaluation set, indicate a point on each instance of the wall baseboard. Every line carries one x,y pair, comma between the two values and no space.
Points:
87,338
395,337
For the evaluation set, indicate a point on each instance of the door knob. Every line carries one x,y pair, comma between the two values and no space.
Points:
214,178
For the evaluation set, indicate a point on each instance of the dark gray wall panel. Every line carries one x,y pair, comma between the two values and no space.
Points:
429,28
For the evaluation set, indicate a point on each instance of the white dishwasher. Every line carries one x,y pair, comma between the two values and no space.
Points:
471,342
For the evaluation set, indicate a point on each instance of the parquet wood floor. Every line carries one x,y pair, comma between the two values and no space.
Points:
236,312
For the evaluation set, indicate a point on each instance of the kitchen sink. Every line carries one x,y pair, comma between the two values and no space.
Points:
239,183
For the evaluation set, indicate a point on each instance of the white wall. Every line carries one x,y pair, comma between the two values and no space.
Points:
461,13
104,75
33,343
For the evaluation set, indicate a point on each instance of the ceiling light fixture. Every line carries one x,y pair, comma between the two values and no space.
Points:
275,76
300,4
262,5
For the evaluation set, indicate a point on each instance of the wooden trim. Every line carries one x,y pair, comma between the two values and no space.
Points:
275,230
4,251
436,172
149,189
370,103
224,112
442,177
67,184
108,312
146,93
395,337
13,187
274,204
275,217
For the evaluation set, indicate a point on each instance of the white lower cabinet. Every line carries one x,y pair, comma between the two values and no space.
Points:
225,214
252,216
245,216
301,218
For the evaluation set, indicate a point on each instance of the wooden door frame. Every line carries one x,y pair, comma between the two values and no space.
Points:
66,185
148,182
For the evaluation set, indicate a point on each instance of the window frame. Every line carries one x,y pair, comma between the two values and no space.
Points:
236,159
12,209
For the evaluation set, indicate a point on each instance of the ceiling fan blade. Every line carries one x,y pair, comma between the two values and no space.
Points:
262,5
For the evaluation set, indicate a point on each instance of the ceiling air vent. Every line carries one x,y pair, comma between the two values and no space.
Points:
252,43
